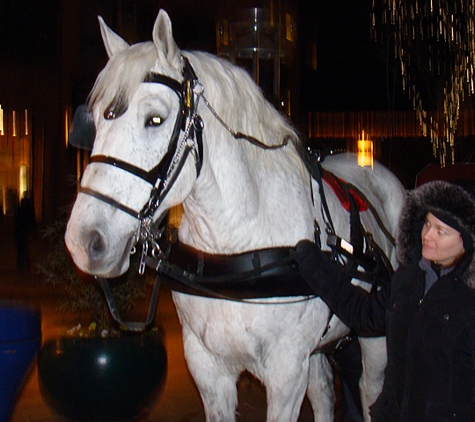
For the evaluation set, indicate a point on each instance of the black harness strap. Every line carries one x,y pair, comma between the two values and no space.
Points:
356,229
257,274
130,325
237,290
148,176
375,214
314,166
109,200
224,268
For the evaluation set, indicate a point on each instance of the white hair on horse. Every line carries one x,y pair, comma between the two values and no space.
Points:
239,198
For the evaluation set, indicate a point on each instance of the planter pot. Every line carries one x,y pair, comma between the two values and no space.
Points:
102,379
20,339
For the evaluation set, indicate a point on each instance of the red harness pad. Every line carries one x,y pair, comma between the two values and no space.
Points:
335,183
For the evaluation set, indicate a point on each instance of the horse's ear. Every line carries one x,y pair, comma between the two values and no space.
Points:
163,40
112,42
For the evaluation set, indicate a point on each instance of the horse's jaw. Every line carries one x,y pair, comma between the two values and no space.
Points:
95,248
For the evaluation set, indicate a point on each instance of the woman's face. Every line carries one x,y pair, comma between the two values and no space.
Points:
441,243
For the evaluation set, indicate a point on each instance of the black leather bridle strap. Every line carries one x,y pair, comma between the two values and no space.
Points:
130,325
159,177
148,176
164,80
109,200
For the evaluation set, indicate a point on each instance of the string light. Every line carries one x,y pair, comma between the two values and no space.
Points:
435,46
26,122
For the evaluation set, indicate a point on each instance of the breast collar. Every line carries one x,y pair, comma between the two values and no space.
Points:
261,273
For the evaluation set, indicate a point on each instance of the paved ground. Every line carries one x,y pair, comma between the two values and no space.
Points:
179,401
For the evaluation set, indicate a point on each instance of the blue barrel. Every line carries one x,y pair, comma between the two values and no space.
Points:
20,339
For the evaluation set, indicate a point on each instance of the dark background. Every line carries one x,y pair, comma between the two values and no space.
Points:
353,70
51,52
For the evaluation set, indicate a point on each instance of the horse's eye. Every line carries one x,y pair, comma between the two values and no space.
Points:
154,121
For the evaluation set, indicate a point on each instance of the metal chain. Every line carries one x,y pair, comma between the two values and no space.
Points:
239,135
186,135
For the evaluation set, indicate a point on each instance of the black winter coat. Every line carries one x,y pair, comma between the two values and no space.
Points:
430,375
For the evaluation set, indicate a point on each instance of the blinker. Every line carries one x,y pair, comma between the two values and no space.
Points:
82,131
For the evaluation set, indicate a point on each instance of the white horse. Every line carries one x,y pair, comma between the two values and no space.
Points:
237,196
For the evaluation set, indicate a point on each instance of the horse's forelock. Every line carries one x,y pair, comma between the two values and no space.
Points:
122,75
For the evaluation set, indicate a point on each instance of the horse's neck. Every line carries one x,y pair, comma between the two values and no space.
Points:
235,207
245,198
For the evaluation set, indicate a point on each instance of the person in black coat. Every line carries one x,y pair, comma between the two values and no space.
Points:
427,311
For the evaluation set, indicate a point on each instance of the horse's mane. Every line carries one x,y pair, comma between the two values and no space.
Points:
235,95
230,89
242,105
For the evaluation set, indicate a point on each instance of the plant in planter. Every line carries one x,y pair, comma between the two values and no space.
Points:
96,371
81,293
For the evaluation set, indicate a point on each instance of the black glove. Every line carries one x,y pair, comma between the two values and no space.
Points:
315,267
309,257
354,306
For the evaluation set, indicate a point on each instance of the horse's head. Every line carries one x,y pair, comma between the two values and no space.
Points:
141,114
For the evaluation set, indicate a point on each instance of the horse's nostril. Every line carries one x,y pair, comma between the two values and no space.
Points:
96,244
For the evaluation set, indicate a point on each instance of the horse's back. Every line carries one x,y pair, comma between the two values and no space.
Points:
378,184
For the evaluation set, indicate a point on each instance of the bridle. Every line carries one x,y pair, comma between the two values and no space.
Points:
165,173
161,177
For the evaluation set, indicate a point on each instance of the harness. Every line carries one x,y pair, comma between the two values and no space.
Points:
243,277
362,250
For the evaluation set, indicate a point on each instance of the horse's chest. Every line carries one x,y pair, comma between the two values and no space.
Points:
223,328
249,332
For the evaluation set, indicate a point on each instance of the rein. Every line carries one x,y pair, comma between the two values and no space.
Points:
239,135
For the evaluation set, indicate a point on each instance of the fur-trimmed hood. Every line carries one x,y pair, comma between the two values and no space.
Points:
435,197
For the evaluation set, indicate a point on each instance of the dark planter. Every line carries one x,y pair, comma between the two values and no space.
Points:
20,339
102,379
